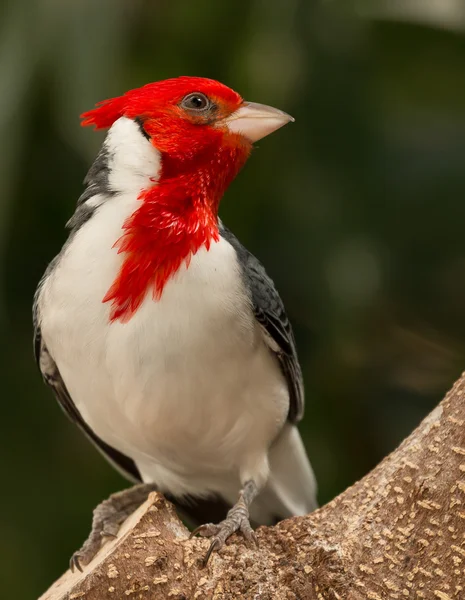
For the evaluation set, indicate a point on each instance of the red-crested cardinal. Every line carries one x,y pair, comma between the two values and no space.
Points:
162,337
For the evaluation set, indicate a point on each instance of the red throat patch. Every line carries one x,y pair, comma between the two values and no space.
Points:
177,217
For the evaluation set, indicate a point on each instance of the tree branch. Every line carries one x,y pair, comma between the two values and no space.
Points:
397,533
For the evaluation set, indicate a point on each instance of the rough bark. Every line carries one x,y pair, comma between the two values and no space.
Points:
397,533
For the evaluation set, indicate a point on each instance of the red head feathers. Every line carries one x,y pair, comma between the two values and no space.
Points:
182,117
156,99
204,133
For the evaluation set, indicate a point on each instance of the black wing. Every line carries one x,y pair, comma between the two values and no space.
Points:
52,377
270,313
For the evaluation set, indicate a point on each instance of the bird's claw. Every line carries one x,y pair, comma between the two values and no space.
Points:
75,562
222,531
214,546
205,530
108,517
91,546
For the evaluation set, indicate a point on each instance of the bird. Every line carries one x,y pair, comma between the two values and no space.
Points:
161,335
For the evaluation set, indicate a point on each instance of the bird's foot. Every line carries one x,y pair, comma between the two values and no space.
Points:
107,519
237,520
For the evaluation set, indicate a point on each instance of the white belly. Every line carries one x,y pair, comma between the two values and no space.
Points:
187,388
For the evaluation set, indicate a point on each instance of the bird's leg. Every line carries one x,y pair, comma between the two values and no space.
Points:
107,518
237,519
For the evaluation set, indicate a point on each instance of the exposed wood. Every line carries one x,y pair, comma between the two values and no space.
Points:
398,533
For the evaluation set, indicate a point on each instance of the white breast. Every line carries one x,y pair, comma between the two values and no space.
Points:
187,387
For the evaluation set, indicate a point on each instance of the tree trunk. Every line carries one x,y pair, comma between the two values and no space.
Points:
397,533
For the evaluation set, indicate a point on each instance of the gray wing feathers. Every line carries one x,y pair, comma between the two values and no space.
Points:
270,313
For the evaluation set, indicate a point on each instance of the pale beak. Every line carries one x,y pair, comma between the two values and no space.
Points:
255,121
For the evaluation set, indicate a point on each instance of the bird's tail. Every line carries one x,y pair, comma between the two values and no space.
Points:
291,489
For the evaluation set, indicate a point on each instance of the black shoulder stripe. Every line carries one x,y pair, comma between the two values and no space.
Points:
96,182
140,123
97,177
81,215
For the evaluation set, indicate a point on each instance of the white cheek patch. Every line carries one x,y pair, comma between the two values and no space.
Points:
133,162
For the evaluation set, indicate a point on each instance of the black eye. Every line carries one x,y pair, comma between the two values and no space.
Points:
196,101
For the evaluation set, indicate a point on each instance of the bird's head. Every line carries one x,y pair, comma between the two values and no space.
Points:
176,145
189,120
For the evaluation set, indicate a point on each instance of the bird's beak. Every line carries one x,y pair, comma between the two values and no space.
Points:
255,121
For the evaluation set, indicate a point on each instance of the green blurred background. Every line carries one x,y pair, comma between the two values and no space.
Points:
357,210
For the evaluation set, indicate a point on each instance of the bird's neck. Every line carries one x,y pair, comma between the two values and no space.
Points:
178,215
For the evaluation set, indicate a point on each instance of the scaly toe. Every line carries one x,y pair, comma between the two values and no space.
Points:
224,530
248,533
110,530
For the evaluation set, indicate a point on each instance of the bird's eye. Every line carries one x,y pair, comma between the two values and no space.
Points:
196,101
